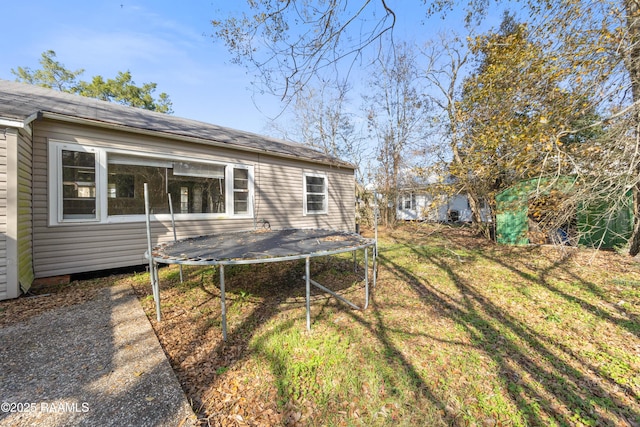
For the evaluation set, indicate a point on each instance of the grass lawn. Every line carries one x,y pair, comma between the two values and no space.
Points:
458,332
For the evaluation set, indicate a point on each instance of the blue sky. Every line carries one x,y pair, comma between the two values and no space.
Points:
166,42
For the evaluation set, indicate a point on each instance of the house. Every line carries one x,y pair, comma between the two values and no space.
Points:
425,195
72,171
423,205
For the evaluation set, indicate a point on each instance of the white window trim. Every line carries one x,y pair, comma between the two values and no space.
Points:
55,201
325,209
55,186
230,190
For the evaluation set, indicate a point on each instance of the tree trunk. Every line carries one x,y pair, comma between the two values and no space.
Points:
476,214
632,9
472,194
634,242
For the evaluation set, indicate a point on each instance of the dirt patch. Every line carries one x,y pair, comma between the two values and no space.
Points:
48,297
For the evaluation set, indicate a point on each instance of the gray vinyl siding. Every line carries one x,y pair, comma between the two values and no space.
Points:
3,218
278,187
15,213
279,196
24,211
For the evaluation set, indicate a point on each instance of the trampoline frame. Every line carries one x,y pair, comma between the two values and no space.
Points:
154,260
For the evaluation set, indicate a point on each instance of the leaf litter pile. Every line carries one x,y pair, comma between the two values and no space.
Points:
459,331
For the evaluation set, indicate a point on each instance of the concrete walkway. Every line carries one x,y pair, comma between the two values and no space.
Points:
98,363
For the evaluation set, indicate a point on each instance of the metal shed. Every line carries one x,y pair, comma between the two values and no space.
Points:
596,225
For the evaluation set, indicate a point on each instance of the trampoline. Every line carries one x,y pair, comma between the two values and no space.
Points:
262,246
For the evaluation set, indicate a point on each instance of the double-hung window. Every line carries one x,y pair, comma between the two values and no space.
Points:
241,191
103,185
78,182
408,201
78,175
315,194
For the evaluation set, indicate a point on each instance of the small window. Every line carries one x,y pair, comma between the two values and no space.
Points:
315,194
78,185
408,201
240,191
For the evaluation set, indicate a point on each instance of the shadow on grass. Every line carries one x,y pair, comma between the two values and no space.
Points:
544,278
265,297
254,295
395,357
538,373
539,382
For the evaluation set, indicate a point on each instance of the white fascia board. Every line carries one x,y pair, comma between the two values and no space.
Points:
11,123
19,124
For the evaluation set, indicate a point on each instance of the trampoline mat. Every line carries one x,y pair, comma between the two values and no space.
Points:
258,244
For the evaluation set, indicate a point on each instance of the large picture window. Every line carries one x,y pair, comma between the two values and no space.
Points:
85,182
315,194
194,188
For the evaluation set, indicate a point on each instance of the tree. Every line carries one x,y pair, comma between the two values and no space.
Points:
288,43
397,114
596,50
512,105
444,70
595,45
323,120
122,89
52,74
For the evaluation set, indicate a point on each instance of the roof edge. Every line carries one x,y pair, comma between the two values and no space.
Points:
114,126
22,124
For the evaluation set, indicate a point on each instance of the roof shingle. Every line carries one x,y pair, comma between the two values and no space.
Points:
19,101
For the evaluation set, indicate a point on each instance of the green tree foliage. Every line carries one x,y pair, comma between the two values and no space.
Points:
122,89
513,107
594,47
52,74
502,121
597,49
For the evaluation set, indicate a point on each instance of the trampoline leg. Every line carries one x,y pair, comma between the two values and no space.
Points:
156,290
223,304
374,252
307,277
366,278
153,266
355,262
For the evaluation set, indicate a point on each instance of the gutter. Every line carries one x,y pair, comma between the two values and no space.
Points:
183,138
20,124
